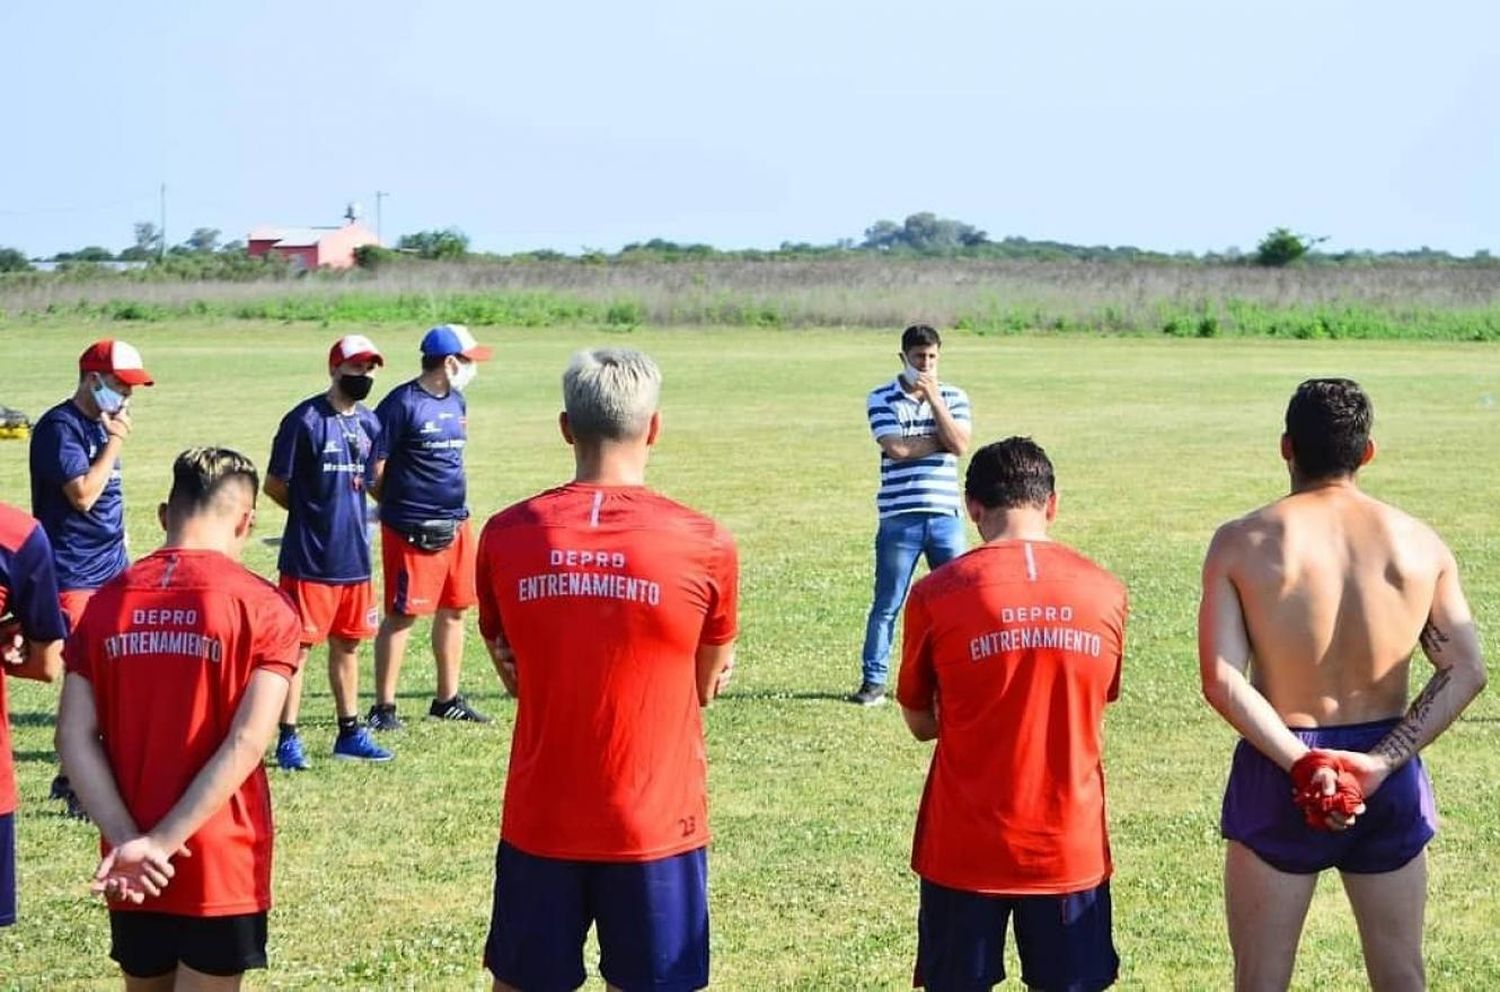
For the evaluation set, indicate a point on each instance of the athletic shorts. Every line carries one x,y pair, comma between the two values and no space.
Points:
147,945
7,867
72,602
652,918
1065,941
1399,819
419,583
346,611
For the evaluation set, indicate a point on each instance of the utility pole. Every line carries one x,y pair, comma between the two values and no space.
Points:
161,246
379,195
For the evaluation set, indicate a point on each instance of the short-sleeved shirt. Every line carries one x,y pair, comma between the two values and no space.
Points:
89,548
323,457
917,485
605,594
169,649
422,440
1021,643
28,591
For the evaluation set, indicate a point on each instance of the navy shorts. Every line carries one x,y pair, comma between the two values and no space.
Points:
1399,819
652,918
148,945
7,867
1065,941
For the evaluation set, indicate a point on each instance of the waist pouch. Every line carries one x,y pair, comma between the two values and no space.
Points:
431,535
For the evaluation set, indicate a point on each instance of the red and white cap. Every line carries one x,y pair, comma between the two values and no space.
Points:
354,348
118,359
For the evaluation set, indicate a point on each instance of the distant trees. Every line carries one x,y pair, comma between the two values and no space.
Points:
93,253
450,243
203,239
923,232
14,260
148,243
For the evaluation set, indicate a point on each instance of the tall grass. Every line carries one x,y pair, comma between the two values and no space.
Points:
1396,301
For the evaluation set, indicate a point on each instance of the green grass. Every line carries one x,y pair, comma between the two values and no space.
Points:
383,874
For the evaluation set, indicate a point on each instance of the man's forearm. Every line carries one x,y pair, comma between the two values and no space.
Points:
210,789
97,477
907,449
1439,703
88,771
951,436
1253,716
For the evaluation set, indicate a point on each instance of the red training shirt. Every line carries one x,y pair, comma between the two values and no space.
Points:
605,594
169,648
1021,643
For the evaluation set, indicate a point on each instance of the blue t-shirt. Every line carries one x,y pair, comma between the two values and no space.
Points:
422,439
28,579
323,456
89,548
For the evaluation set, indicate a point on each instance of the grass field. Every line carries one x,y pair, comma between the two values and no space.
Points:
383,874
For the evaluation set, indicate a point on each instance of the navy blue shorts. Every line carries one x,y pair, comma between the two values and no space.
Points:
652,918
1399,819
1065,941
7,867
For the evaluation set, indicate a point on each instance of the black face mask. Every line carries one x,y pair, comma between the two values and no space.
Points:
356,387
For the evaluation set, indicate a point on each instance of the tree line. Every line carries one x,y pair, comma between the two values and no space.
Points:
920,235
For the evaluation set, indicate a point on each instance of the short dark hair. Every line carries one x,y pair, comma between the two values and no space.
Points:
1011,473
430,362
918,336
1328,422
200,477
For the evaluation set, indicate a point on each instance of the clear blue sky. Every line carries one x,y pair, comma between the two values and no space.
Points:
1170,125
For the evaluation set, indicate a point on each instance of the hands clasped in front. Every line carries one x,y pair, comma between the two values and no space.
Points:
136,869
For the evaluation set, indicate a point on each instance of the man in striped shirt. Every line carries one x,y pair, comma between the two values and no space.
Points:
922,426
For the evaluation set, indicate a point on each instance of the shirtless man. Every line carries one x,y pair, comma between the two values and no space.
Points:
1329,591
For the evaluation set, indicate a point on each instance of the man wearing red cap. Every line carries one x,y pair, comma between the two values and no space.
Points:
426,545
75,481
319,460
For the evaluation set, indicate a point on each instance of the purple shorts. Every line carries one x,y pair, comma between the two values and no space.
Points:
1399,819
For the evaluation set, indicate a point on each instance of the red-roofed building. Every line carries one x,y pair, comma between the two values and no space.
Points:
312,247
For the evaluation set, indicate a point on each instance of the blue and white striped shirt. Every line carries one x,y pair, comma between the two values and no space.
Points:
919,485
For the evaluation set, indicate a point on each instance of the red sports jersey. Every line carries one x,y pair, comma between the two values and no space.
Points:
605,594
169,648
1020,642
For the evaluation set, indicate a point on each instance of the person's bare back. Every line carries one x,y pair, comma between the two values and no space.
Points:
1335,587
1312,608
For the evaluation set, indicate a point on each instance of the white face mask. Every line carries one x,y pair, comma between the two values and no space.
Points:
460,379
910,373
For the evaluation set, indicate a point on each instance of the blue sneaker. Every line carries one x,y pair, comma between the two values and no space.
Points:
359,746
289,754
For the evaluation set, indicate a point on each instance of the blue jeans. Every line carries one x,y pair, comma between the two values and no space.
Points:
899,542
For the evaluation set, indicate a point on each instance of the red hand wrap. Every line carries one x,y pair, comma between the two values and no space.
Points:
1316,807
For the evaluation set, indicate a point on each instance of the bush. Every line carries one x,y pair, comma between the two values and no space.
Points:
1280,247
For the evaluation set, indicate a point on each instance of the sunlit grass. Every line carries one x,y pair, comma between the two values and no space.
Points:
383,874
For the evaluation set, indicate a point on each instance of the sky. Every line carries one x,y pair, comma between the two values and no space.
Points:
1176,126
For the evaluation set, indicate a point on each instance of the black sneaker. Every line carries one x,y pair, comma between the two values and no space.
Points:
869,694
72,807
456,708
383,717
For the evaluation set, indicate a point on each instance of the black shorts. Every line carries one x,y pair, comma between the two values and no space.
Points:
148,945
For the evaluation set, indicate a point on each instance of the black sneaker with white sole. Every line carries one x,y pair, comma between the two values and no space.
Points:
383,717
869,694
456,708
